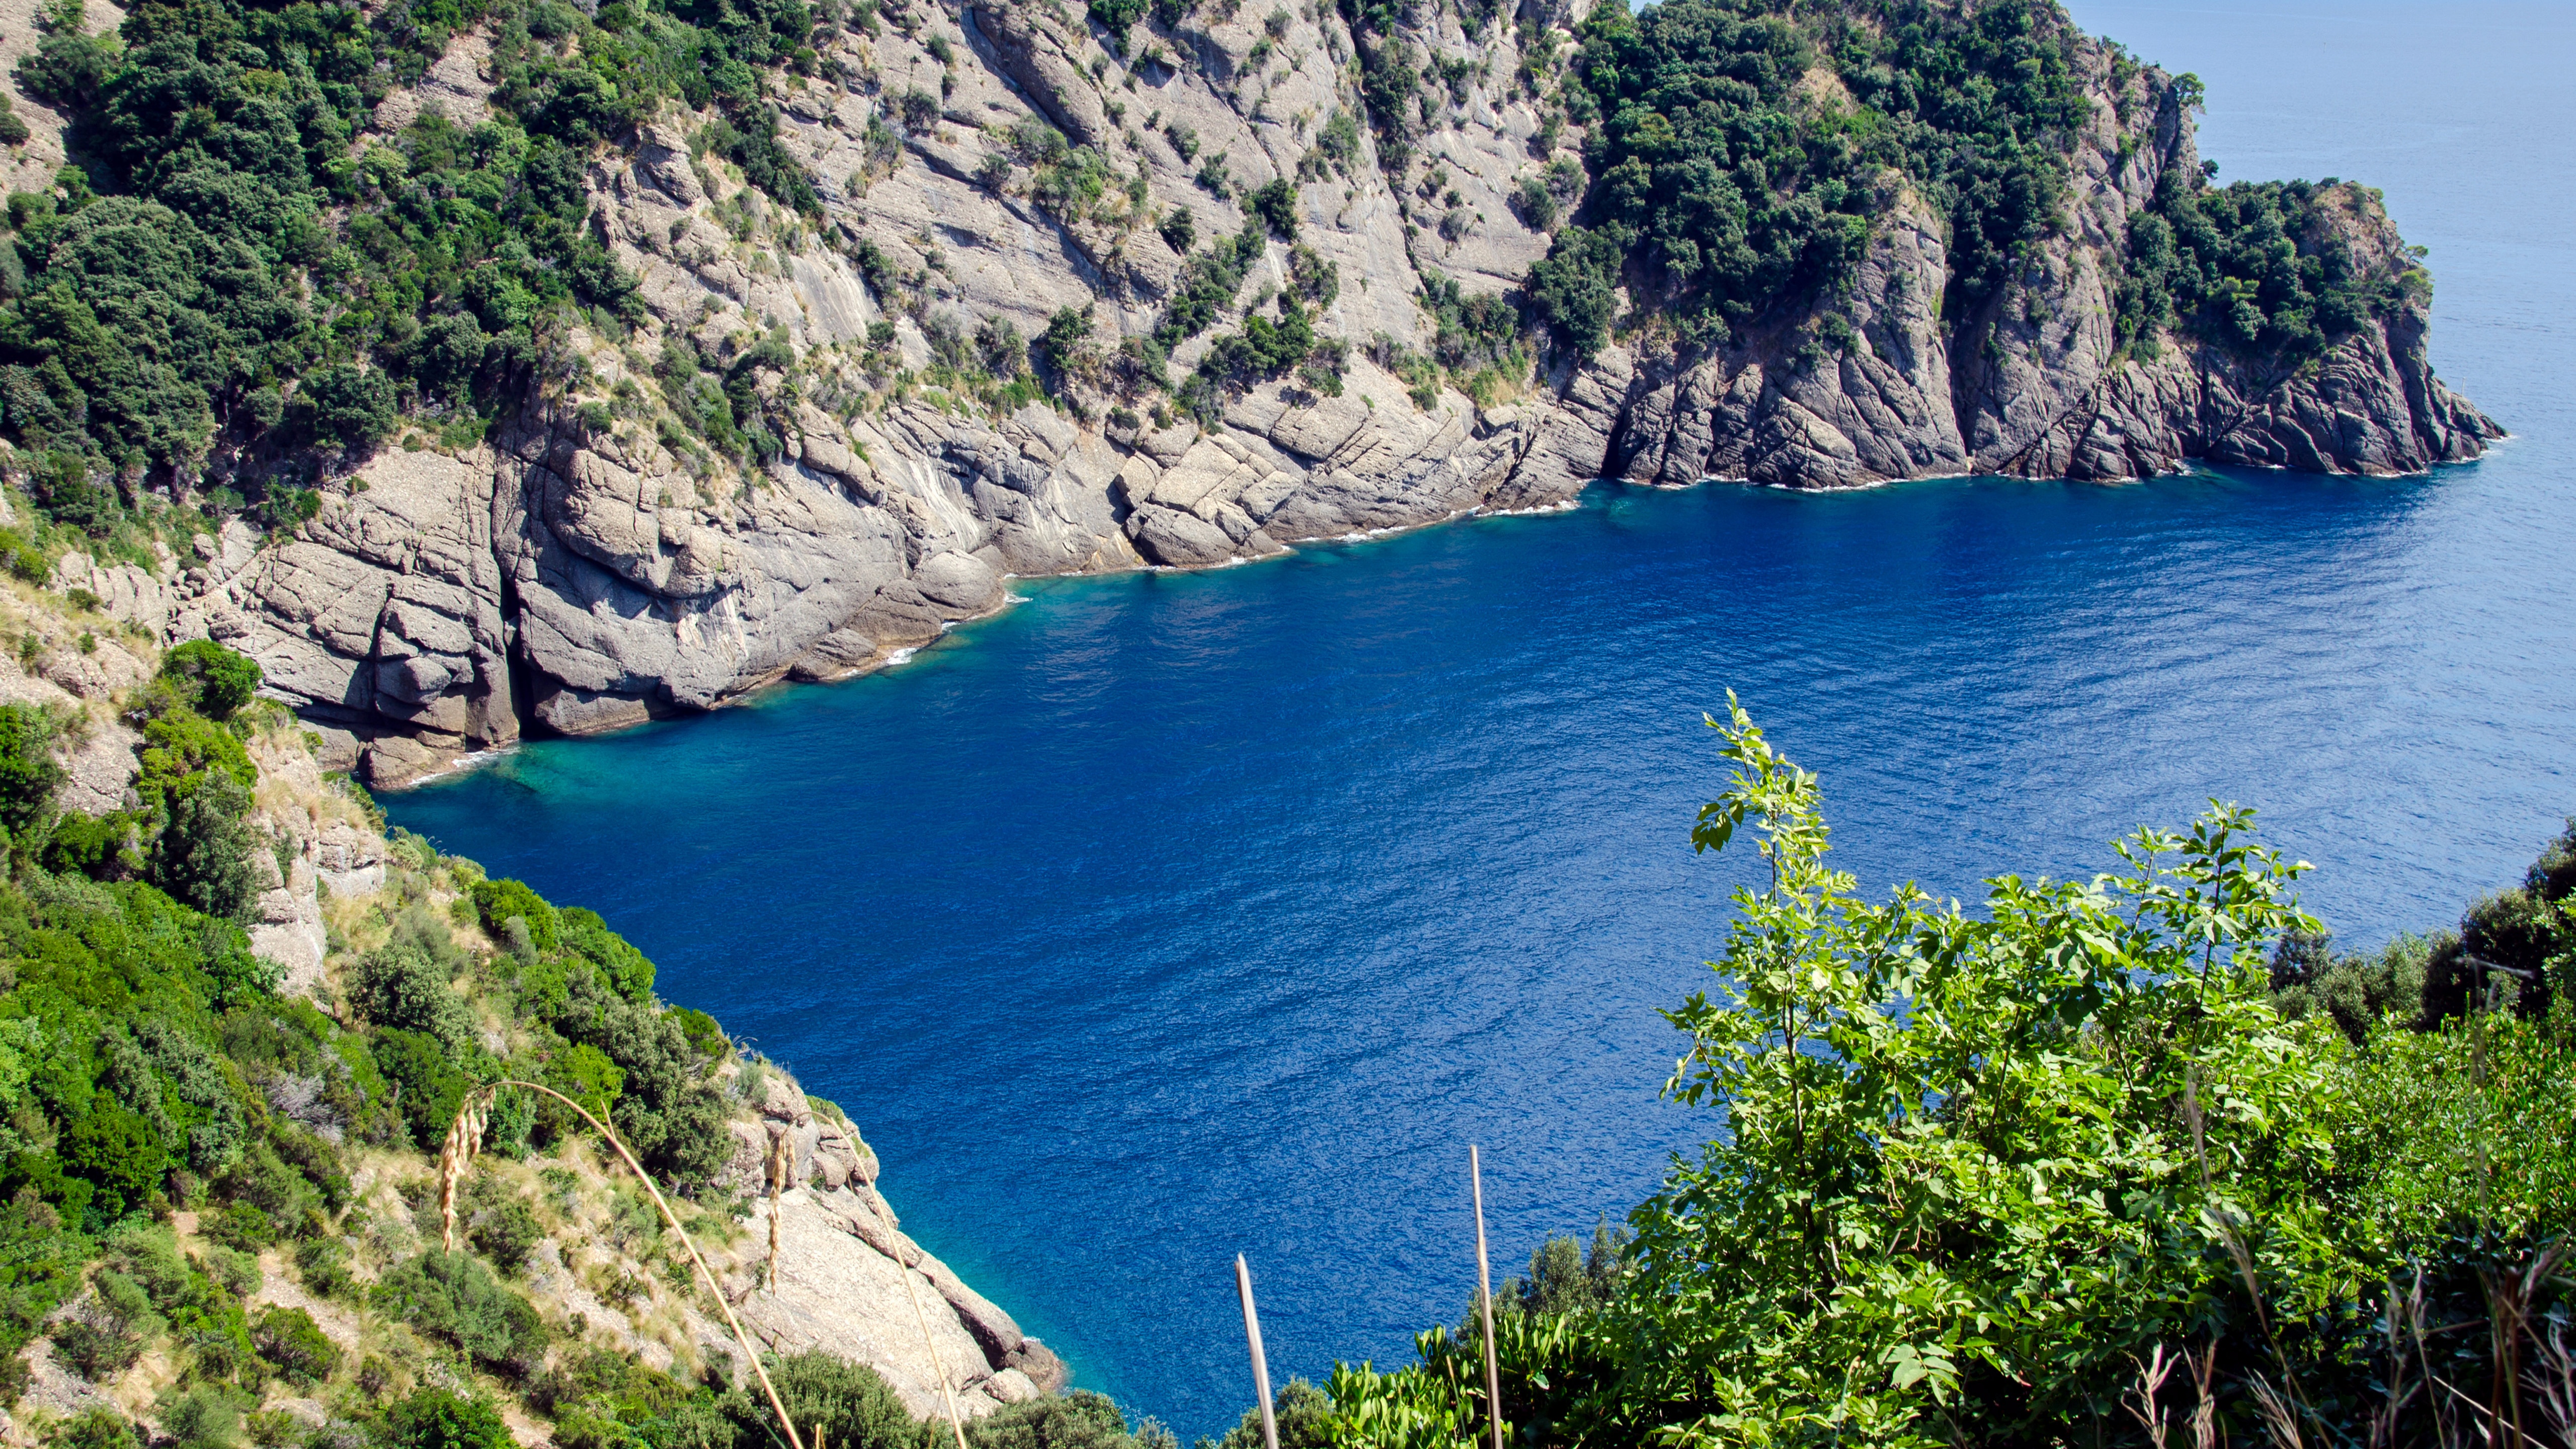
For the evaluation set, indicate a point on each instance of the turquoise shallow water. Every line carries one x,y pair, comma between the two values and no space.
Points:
1166,917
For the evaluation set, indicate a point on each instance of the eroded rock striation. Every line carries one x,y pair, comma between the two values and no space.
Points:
594,564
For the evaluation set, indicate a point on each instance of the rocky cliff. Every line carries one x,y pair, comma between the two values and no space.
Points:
592,563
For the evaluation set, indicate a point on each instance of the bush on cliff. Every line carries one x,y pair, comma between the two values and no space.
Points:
209,678
453,1296
1975,1173
443,1419
499,901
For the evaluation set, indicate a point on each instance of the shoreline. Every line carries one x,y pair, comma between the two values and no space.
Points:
903,655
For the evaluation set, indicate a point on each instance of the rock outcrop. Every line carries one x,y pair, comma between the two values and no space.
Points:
594,565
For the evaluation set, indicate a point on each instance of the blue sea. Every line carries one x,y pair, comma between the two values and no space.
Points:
1166,917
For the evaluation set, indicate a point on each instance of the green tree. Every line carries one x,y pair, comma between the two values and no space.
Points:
1274,202
203,856
120,1155
28,773
213,680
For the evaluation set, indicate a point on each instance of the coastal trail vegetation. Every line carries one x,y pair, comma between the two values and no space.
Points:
2137,1160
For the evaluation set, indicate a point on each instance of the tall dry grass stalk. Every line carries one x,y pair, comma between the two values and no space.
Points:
465,1140
781,1163
2145,1405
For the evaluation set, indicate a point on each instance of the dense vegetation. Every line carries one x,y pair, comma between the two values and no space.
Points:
231,291
147,1062
1724,190
167,1118
1730,181
2114,1159
2258,268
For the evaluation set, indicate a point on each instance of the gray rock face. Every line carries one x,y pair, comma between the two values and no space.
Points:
2033,383
578,578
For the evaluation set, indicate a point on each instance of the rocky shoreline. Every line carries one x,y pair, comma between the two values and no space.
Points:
589,568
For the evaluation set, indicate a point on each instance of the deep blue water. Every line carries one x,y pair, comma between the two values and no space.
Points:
1166,917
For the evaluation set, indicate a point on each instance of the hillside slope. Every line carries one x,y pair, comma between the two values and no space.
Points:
235,1021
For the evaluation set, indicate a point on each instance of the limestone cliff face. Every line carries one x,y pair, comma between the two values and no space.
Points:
576,577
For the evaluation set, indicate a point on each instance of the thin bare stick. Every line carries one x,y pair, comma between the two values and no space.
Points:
938,1365
1484,1297
452,1162
1260,1360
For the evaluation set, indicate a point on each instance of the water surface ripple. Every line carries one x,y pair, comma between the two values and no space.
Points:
1166,917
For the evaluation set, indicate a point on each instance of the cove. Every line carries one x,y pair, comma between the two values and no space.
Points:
1170,916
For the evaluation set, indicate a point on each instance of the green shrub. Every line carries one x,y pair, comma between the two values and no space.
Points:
101,847
28,774
1078,1420
401,984
211,679
203,855
237,1225
120,1155
1301,1413
432,1087
41,1255
96,1350
848,1402
1275,204
324,1264
1117,17
499,900
296,1346
441,1419
503,1229
453,1296
94,1428
628,971
236,1271
179,743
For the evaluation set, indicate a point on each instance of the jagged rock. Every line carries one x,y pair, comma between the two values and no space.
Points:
126,592
98,672
841,1288
98,772
579,579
